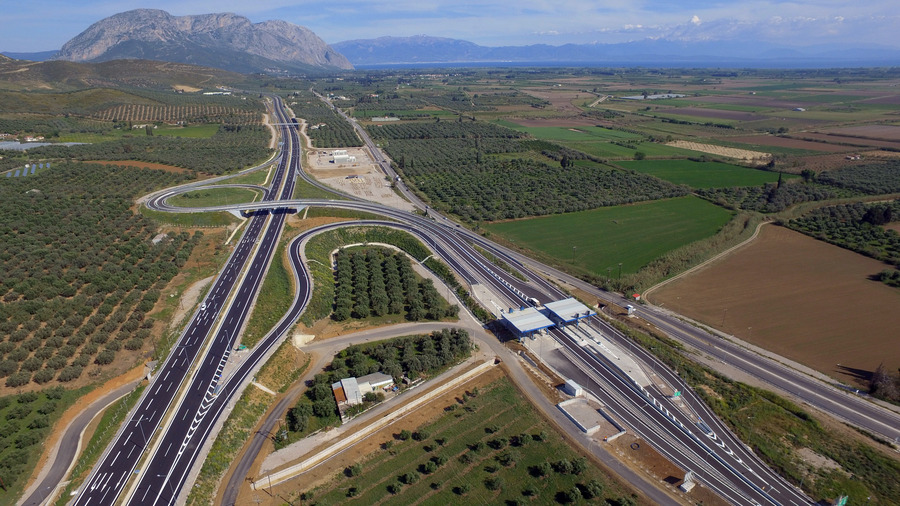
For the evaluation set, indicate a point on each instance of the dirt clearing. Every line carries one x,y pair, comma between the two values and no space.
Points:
798,297
740,154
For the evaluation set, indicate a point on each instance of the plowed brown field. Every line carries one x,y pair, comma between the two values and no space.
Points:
801,298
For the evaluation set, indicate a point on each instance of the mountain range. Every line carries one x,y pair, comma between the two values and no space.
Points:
422,50
224,40
231,42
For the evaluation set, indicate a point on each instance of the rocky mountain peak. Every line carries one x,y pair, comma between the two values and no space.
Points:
223,40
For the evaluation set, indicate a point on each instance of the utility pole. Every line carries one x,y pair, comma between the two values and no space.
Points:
620,270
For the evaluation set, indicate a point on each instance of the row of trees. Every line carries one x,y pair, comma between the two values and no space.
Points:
192,113
857,227
371,283
865,179
325,127
471,169
232,147
80,269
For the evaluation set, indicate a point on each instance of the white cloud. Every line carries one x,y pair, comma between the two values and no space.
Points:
695,20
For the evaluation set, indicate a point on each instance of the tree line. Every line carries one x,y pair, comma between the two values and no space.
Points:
857,227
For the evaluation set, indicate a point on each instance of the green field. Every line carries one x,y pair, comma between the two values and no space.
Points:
575,133
206,197
474,454
258,177
609,150
601,238
703,174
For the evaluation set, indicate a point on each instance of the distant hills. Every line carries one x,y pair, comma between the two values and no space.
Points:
226,41
423,49
21,75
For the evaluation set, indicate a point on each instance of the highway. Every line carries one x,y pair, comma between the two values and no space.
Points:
710,450
221,313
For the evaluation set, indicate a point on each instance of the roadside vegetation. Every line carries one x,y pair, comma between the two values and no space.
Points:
488,447
27,418
320,247
413,357
273,300
278,373
208,197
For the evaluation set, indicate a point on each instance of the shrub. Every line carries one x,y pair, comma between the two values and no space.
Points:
18,379
462,489
493,483
593,489
404,435
69,373
43,376
409,478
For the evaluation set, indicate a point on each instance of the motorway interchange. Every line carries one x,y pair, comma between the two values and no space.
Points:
152,455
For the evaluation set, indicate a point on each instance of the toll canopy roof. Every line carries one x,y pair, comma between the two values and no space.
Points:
569,309
527,320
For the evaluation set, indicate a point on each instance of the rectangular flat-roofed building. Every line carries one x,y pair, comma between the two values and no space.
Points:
567,311
347,391
374,381
526,322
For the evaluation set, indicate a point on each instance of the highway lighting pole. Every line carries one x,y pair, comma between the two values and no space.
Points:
620,270
141,419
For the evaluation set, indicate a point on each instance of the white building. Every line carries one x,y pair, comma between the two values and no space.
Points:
374,381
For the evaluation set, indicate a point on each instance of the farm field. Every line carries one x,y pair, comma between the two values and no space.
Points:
571,133
799,297
609,150
712,113
767,142
214,197
490,448
884,132
632,234
703,174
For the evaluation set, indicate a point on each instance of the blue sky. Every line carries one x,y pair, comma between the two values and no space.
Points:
40,25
